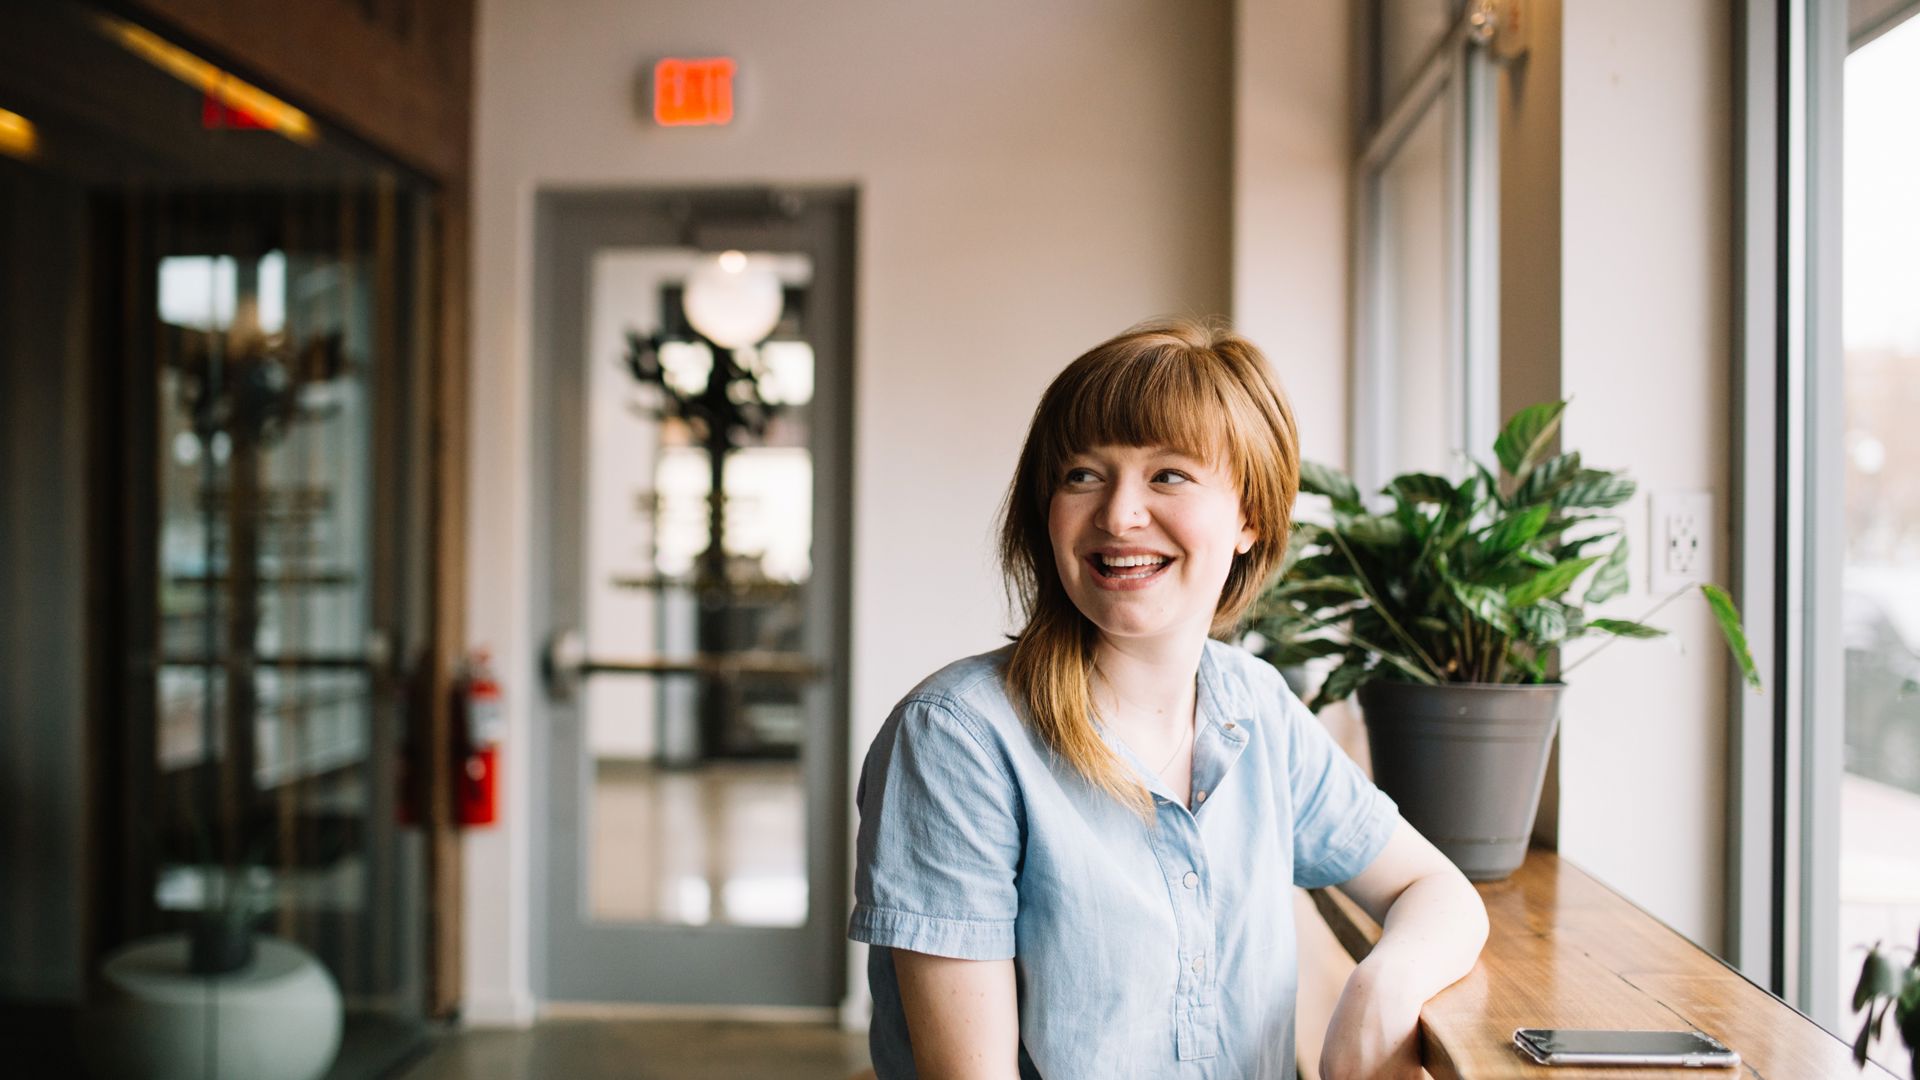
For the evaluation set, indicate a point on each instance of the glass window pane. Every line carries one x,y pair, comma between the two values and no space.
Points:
1880,793
1413,361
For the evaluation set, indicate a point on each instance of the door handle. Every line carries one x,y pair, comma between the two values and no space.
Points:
564,662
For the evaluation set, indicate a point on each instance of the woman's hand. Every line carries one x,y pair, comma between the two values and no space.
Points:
1374,1034
1432,925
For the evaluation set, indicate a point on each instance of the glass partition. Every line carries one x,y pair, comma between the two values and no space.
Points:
232,309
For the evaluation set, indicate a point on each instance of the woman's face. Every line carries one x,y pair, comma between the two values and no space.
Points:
1143,538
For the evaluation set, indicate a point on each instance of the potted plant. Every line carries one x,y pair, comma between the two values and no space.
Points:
1443,610
1884,988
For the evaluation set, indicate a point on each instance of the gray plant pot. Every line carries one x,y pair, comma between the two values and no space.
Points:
1465,761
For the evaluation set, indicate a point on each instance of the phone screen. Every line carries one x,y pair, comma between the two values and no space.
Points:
1621,1043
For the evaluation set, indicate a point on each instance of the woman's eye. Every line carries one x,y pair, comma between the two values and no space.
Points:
1170,476
1079,476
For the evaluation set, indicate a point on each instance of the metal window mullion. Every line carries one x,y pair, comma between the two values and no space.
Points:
1824,708
1754,805
1791,385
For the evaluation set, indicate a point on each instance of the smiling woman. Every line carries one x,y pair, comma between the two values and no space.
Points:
1076,853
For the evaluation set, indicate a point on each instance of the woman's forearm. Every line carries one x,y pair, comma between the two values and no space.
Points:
1431,937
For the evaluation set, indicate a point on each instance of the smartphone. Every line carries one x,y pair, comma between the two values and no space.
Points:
1565,1046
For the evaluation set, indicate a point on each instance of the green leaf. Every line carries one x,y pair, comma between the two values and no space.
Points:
1560,523
1594,488
1328,583
1318,565
1527,436
1342,681
1611,579
1301,650
1374,532
1547,478
1878,979
1466,497
1728,617
1506,575
1491,483
1860,1042
1318,479
1511,533
1626,628
1489,605
1545,623
1550,582
1421,488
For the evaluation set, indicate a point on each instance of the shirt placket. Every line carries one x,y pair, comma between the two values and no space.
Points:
1183,860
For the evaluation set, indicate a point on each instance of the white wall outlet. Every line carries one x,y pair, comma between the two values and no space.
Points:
1680,548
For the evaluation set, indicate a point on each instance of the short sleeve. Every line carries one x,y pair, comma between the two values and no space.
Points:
940,838
1341,822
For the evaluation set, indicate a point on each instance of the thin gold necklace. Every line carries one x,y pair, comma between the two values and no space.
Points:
1162,770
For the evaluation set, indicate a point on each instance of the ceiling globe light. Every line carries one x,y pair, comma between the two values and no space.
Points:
731,301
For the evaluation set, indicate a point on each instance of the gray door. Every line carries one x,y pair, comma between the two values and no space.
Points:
690,762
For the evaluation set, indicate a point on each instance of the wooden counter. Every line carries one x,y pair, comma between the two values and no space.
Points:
1566,951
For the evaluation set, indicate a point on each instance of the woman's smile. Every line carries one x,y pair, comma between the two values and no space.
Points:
1122,570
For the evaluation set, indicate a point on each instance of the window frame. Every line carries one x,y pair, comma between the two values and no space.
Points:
1783,767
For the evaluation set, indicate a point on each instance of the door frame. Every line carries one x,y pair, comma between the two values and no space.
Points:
570,227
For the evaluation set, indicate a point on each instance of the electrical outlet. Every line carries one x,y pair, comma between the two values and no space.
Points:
1681,543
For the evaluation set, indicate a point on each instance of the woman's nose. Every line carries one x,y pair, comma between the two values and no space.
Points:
1124,509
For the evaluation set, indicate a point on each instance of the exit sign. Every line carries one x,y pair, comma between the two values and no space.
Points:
691,92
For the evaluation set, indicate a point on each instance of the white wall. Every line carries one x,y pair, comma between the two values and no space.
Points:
1032,177
1646,294
1292,138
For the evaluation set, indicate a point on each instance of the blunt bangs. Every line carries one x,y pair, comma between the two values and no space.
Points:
1161,394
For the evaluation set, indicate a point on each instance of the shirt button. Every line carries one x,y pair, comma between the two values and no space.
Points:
1192,879
1229,725
1200,796
1199,965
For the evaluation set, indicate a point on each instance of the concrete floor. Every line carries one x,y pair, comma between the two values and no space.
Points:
644,1050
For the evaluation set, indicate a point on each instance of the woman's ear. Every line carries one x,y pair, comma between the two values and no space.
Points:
1245,543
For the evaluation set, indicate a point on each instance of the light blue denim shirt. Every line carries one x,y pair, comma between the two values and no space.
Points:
1139,951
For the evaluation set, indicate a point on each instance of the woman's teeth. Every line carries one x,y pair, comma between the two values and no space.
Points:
1131,566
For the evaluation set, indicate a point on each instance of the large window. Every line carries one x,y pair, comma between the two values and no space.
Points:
1425,393
1827,784
1878,849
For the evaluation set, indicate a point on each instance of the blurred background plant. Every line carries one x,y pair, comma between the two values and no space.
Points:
1884,988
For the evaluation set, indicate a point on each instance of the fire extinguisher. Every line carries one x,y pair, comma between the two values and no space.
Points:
481,725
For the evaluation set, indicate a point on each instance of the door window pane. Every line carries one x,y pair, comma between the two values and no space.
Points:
694,798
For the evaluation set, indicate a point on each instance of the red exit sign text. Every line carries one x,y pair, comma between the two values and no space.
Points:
688,92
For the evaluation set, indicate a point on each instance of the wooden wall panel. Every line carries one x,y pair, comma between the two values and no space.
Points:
397,73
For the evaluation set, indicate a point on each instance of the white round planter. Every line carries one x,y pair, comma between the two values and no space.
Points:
278,1018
